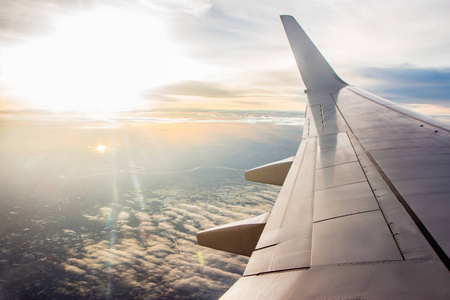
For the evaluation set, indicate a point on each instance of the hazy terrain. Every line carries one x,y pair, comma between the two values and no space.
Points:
109,208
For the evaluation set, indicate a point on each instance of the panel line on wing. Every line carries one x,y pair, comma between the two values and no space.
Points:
378,203
432,242
276,258
347,218
347,215
286,240
367,179
397,110
270,235
341,185
340,164
292,190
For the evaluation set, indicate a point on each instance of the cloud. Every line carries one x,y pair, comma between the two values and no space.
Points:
279,89
123,217
195,8
269,84
198,89
162,261
21,20
245,50
73,269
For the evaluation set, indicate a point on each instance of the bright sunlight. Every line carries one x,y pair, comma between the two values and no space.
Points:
96,61
101,148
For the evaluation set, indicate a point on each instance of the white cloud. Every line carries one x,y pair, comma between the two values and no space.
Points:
196,8
237,41
123,217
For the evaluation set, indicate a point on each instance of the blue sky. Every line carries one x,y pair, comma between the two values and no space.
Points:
409,84
216,54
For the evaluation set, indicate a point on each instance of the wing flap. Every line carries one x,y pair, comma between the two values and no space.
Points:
402,280
267,286
382,280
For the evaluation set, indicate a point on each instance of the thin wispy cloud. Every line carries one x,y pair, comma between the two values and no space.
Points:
282,118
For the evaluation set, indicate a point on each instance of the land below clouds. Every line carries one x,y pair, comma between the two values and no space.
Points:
77,222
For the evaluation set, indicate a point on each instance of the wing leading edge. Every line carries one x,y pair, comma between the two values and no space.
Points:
363,211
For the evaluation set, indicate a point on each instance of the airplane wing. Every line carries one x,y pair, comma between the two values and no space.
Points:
363,212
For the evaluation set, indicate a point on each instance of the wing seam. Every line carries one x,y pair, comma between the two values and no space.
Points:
396,110
433,243
288,202
348,215
339,185
373,193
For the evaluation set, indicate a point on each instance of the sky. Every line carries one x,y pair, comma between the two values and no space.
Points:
143,55
214,63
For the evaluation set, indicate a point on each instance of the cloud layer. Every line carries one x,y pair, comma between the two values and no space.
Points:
152,251
244,49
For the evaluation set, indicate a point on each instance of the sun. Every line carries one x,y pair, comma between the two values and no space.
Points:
101,148
100,60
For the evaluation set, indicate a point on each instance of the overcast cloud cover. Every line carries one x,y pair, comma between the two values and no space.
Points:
245,54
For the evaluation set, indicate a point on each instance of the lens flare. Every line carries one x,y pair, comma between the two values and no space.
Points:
101,148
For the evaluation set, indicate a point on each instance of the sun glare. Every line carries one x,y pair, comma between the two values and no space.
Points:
101,60
101,148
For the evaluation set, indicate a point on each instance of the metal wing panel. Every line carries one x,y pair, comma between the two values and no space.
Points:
410,240
343,200
267,286
361,237
406,280
322,118
286,240
331,157
411,185
400,109
328,164
339,175
271,233
356,232
382,280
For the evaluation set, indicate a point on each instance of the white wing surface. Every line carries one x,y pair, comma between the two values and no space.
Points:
363,212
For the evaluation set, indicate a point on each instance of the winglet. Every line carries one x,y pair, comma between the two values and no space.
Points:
315,70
